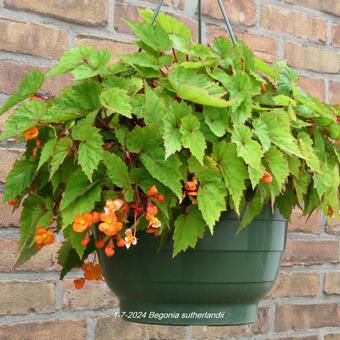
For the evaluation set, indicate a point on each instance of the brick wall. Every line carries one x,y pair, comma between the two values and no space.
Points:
305,302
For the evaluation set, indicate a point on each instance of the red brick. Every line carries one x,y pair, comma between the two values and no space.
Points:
332,283
334,92
314,86
336,35
295,284
113,328
33,39
45,260
94,295
12,73
51,330
264,47
300,252
8,158
294,317
80,11
213,333
118,48
332,336
328,6
23,297
299,223
309,337
240,12
312,58
294,23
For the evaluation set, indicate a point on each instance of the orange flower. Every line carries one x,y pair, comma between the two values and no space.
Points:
31,133
95,217
160,198
43,236
190,186
110,225
79,283
153,191
12,202
153,221
151,209
82,222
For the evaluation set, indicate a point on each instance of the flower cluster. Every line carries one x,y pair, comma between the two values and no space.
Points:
43,236
91,272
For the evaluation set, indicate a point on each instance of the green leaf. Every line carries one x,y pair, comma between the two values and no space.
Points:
68,258
247,148
75,240
47,152
37,212
279,168
149,143
90,151
192,137
142,60
189,227
19,179
118,172
23,118
70,60
324,180
60,152
217,119
307,149
211,193
154,109
197,88
28,250
262,133
116,101
287,202
280,134
233,170
253,208
84,203
153,36
28,87
171,124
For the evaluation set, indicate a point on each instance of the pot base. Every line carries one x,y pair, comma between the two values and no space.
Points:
187,314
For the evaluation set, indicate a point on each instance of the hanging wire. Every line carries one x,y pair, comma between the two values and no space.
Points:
200,24
199,10
156,11
227,22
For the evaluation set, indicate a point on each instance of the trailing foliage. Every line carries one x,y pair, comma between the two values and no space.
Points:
177,130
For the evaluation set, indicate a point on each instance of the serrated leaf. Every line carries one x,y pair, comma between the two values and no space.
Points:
287,202
189,227
171,125
279,168
153,36
68,258
84,203
28,250
75,240
60,152
192,137
149,143
262,133
217,119
23,118
233,170
116,101
254,207
37,211
154,109
28,87
211,193
19,179
324,180
307,149
247,148
142,60
280,133
70,60
47,152
118,173
90,150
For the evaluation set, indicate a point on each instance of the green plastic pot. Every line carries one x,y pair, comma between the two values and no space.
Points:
220,282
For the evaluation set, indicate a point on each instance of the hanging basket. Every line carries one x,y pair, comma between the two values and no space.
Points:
220,282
